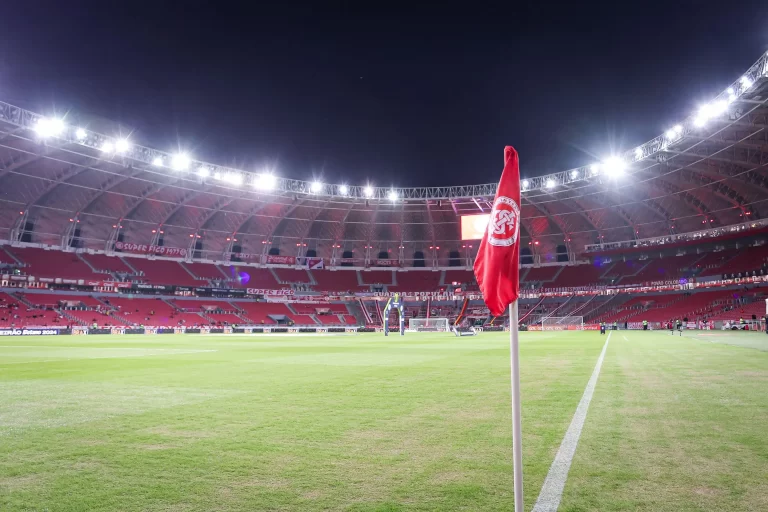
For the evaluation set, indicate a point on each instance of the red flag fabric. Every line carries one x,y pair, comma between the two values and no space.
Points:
497,268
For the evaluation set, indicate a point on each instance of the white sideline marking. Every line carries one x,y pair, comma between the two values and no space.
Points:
552,490
625,338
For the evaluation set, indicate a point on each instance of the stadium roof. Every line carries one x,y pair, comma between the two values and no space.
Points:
58,173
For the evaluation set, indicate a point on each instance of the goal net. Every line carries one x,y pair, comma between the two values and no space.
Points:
562,323
429,325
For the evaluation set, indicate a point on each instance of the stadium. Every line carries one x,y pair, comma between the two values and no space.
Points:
177,333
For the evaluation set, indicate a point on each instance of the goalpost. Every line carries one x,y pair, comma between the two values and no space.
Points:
562,323
433,324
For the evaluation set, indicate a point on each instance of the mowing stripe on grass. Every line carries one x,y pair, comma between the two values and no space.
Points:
552,490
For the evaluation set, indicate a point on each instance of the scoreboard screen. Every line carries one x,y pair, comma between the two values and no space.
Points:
473,226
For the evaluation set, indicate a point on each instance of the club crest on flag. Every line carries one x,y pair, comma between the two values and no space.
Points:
504,223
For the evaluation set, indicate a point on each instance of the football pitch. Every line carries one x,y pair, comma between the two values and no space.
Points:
368,423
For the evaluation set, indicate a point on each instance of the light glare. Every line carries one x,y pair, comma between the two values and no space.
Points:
615,166
180,162
343,190
316,187
81,134
368,191
108,147
265,181
392,195
234,178
550,183
157,161
122,145
49,127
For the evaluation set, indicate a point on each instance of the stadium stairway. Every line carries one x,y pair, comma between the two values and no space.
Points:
622,278
21,298
186,269
582,306
602,306
69,316
356,311
127,264
368,319
274,275
88,263
522,319
558,308
557,274
607,271
9,257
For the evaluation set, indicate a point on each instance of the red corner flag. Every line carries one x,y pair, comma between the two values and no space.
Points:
497,264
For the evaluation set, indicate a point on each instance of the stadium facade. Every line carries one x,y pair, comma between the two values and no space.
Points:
80,203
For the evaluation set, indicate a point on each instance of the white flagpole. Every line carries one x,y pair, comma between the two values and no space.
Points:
517,428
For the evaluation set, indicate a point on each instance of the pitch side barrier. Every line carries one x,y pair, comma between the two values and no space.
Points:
184,330
587,327
32,331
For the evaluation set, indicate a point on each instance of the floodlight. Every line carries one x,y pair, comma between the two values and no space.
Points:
57,125
526,184
316,187
638,153
574,174
615,166
108,147
671,134
217,175
550,183
81,134
392,195
368,191
203,171
730,91
719,107
746,82
678,128
157,161
180,162
343,190
595,169
49,127
122,145
265,181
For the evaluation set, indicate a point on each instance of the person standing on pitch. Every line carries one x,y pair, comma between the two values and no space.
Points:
602,327
645,325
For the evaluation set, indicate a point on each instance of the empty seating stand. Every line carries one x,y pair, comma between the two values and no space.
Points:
164,272
53,263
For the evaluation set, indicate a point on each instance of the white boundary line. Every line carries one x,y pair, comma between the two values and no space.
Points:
552,490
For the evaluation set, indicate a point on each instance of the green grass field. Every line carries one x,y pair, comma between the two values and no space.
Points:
367,423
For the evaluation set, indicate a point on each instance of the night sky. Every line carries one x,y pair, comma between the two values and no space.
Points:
401,96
